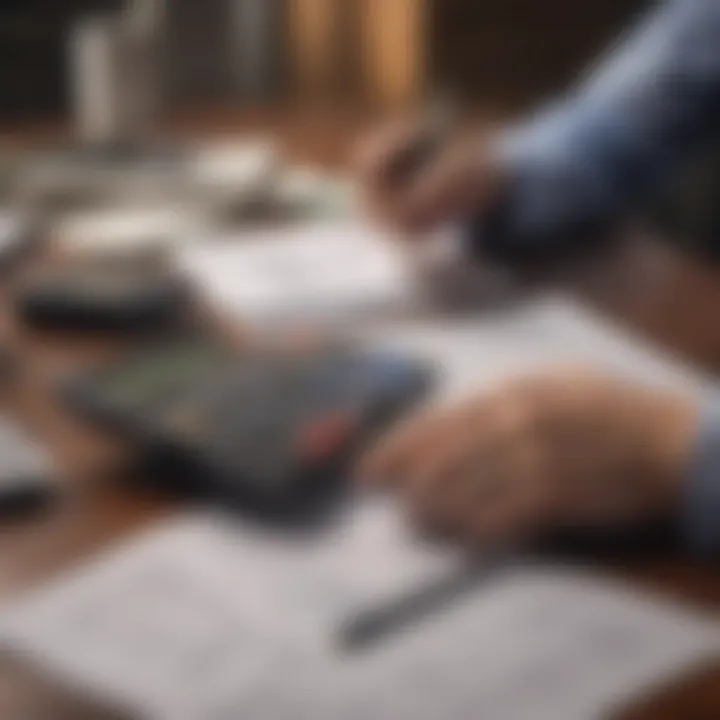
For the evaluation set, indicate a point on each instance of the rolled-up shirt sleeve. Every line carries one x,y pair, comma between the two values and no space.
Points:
586,159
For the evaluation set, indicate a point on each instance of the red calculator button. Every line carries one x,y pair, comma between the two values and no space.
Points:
321,438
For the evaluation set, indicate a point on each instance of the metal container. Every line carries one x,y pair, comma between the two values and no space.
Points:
114,78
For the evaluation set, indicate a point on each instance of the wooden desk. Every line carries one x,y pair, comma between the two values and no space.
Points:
373,49
650,287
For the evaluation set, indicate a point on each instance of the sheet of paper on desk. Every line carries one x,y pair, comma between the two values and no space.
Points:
203,620
345,272
307,273
475,351
200,620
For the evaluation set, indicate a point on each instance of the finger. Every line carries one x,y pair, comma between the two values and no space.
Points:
451,186
431,458
380,464
493,510
452,501
486,443
435,490
448,505
405,451
499,492
527,505
375,155
409,447
374,162
502,523
481,434
480,440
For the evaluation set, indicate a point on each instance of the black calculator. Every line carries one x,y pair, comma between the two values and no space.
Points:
260,429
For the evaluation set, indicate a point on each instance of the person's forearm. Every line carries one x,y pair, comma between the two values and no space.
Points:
585,161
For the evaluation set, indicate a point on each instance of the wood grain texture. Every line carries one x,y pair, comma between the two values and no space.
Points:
395,45
650,286
314,48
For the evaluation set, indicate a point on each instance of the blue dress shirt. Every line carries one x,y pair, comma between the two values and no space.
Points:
597,152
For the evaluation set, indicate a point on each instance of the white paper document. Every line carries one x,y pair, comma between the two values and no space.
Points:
203,620
310,274
473,352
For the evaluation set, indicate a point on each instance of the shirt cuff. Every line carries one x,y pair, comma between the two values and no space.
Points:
545,209
701,510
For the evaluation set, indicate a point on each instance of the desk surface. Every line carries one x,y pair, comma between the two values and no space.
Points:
652,288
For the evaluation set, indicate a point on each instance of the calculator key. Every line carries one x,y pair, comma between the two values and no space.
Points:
323,437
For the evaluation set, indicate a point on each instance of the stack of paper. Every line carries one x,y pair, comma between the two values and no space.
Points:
312,274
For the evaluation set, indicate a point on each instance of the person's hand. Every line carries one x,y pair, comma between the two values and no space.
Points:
459,179
569,448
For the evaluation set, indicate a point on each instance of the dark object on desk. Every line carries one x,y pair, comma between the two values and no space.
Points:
373,625
264,431
103,296
26,486
25,496
617,545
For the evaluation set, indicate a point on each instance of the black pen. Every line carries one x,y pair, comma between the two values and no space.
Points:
369,627
436,124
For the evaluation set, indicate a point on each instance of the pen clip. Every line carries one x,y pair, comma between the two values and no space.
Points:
436,124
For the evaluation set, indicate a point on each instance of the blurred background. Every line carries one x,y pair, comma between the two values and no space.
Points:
120,105
230,53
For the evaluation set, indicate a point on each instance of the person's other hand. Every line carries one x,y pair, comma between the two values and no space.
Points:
459,179
566,449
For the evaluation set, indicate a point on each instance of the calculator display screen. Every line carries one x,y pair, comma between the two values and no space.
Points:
144,378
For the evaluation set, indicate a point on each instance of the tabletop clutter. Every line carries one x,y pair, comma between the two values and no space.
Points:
238,606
